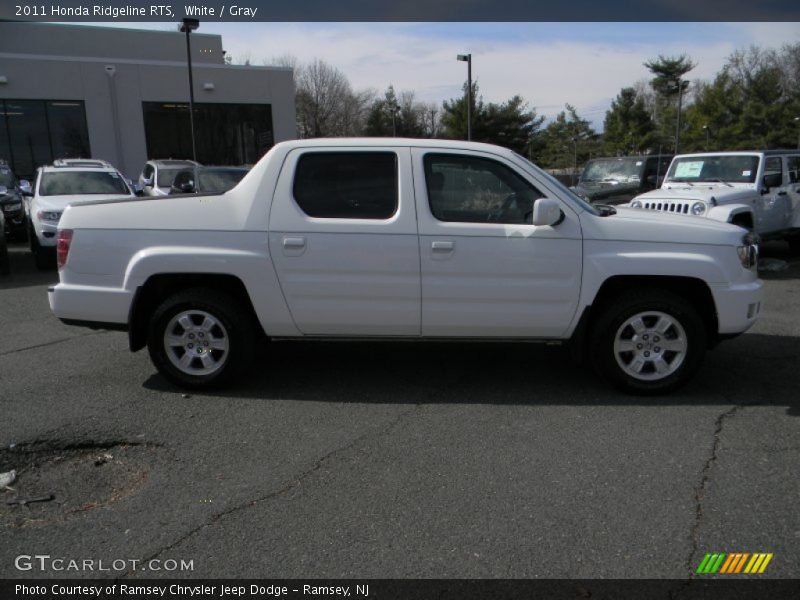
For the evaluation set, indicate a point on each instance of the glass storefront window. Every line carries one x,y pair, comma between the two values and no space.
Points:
36,132
226,134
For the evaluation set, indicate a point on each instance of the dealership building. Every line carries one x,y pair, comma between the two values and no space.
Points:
123,95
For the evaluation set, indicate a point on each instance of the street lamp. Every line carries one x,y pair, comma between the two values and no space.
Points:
679,83
467,58
708,135
575,166
395,109
797,120
188,26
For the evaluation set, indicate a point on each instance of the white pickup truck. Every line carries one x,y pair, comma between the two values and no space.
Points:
413,239
759,191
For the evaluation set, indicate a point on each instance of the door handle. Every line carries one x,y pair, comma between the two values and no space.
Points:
442,246
782,193
294,242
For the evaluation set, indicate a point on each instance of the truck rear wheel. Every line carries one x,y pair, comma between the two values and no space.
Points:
648,342
201,338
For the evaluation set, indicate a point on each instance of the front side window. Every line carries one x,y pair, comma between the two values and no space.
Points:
347,185
468,189
148,171
773,166
82,182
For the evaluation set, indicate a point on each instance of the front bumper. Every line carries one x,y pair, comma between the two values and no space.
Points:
15,222
738,306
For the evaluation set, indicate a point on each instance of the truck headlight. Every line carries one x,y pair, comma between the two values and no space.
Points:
748,253
698,208
636,204
53,216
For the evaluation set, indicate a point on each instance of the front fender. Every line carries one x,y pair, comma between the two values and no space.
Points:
727,212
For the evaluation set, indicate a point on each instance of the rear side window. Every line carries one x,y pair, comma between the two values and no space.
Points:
347,185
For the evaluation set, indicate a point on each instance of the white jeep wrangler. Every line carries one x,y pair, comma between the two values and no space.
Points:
759,191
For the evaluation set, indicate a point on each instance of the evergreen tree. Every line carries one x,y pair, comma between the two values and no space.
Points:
628,128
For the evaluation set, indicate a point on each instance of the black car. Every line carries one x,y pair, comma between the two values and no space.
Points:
11,190
213,180
617,180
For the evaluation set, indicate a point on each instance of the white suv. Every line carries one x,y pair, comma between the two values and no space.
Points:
757,190
59,185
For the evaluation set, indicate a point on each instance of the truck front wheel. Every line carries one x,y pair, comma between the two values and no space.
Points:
201,338
648,342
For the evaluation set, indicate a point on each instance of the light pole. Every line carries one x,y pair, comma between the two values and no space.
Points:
679,84
708,135
575,164
467,58
188,26
395,109
797,120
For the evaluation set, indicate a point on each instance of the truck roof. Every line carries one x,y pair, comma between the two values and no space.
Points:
394,142
742,153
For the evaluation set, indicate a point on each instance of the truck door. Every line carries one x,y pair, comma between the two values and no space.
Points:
485,270
343,238
776,203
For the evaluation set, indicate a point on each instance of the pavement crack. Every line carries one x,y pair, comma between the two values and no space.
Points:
292,484
700,490
53,342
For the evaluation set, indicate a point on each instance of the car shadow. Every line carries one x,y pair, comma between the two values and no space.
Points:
751,369
23,271
777,255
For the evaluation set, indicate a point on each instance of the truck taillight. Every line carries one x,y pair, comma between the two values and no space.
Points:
62,247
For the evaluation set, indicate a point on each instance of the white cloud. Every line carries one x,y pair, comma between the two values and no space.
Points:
587,75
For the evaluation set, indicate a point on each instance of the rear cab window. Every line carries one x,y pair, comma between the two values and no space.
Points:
347,185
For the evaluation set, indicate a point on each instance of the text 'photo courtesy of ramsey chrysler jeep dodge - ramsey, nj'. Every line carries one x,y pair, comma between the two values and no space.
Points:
404,239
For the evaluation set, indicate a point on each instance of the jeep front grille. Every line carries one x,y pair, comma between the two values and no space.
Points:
673,207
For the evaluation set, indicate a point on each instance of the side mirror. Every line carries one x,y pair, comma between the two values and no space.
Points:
138,189
546,212
187,187
25,187
3,190
772,180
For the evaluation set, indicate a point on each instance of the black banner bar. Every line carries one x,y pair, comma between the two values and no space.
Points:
405,10
412,589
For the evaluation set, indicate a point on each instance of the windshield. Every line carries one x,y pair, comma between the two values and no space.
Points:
64,183
6,178
218,180
558,185
737,169
620,170
167,176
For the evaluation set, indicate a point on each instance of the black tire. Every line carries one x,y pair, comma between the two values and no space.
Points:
235,323
651,305
45,258
5,263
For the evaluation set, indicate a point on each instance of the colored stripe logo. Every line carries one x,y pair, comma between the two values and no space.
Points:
734,563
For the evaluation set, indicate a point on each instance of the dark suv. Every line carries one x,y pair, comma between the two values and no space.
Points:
617,180
11,191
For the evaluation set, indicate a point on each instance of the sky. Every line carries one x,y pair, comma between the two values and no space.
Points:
548,64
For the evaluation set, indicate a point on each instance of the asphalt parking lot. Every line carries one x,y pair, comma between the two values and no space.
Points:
396,460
